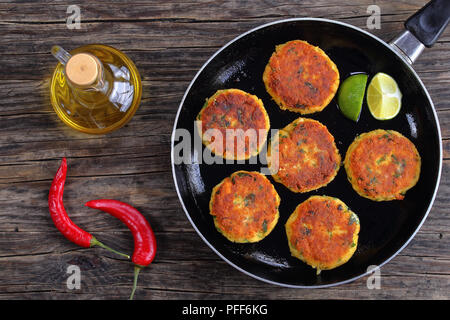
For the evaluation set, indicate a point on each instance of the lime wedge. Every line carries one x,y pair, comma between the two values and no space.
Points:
351,95
383,97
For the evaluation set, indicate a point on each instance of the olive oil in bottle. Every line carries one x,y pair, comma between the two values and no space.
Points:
95,88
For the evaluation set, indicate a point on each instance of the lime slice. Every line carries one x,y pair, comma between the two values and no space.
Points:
384,98
351,95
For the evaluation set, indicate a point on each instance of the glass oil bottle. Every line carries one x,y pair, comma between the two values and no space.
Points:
95,88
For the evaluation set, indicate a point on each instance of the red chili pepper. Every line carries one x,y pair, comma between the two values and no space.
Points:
144,238
62,221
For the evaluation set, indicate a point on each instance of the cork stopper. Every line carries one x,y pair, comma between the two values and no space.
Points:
83,69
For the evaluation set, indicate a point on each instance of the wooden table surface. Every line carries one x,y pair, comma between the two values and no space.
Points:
169,41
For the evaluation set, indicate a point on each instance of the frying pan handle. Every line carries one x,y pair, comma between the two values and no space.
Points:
422,29
428,23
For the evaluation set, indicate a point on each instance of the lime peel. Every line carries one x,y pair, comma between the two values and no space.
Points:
383,97
351,95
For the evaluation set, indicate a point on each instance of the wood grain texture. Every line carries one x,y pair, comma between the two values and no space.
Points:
169,41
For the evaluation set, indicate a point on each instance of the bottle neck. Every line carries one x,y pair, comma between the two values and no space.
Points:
83,71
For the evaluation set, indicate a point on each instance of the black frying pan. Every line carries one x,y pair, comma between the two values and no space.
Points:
386,227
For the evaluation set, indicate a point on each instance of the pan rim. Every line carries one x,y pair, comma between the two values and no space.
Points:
430,205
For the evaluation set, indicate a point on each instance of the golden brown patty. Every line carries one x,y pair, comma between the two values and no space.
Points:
323,232
307,156
245,207
382,165
239,111
301,77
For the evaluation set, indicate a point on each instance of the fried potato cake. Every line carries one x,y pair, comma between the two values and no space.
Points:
241,120
245,207
382,165
301,77
322,232
305,154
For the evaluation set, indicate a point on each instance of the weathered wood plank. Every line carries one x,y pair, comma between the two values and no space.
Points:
189,24
164,208
195,10
25,123
198,274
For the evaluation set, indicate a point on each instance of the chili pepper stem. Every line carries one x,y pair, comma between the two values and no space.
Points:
136,273
95,242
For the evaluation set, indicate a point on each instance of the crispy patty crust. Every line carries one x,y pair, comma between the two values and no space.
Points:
245,207
382,165
241,120
301,77
322,232
305,155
